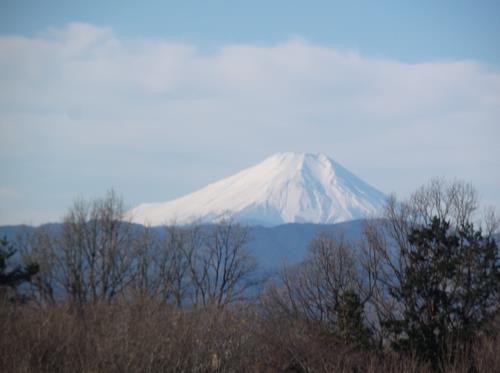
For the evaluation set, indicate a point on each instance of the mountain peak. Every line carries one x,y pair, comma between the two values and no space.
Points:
298,157
284,188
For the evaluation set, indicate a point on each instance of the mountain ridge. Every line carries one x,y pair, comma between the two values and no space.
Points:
270,246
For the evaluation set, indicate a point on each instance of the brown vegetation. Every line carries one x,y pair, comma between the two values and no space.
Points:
147,336
113,297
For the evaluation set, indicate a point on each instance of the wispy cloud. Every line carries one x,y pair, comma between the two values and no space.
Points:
87,96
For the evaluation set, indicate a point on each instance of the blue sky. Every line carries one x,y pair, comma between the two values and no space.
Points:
406,30
160,98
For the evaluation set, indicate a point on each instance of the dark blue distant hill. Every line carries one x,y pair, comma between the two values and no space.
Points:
271,246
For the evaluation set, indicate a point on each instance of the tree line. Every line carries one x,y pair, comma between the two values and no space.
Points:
419,290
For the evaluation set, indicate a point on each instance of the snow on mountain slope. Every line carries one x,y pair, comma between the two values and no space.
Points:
284,188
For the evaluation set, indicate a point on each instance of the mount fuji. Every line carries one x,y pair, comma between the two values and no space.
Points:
284,188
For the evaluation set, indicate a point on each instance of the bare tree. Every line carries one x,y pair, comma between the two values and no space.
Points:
146,276
91,258
162,260
221,270
96,256
328,289
174,257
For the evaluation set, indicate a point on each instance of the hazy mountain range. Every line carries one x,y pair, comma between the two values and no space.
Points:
285,200
271,246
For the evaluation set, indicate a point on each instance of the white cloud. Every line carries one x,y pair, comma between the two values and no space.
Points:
84,90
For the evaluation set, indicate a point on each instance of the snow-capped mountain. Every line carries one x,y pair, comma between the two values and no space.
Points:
284,188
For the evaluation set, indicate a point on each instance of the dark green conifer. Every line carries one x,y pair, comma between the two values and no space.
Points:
12,277
351,317
450,286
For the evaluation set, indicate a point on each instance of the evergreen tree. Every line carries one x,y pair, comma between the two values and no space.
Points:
351,318
12,277
450,286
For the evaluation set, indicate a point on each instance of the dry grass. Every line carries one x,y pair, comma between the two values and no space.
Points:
147,336
124,337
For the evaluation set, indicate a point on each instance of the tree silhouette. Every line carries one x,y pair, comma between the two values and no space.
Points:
450,286
12,277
